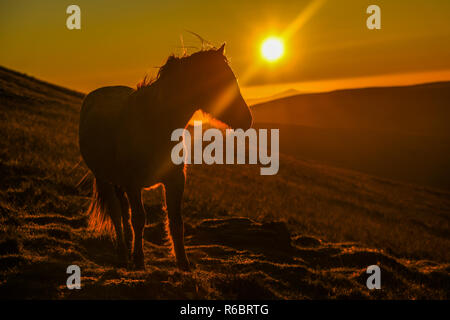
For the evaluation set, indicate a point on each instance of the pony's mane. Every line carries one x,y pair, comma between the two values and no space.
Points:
173,62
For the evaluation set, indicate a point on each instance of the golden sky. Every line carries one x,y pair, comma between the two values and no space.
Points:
121,41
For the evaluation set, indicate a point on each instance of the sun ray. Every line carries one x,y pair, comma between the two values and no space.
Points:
304,16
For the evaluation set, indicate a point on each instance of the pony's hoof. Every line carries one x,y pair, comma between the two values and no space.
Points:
139,264
123,264
184,265
138,267
122,257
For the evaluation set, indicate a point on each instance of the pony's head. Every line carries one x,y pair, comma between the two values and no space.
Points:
209,83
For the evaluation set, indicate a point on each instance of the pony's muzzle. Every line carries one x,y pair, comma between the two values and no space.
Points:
244,121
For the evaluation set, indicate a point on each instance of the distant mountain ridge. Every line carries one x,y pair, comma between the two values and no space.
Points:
422,109
280,95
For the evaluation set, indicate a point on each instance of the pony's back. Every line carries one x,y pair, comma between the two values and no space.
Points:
99,118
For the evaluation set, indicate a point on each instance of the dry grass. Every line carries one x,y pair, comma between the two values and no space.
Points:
312,230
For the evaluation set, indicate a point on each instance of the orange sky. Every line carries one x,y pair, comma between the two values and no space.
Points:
121,41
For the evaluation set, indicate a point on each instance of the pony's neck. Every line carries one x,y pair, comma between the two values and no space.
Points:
178,97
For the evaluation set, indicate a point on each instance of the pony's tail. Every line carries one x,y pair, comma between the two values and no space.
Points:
98,212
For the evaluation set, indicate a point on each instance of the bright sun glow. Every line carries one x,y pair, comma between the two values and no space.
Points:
272,49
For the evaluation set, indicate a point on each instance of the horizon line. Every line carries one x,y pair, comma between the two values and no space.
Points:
333,84
308,87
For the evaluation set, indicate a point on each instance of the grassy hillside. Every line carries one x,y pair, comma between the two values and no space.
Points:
308,232
398,156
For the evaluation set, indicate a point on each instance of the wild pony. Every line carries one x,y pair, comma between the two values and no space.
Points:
125,140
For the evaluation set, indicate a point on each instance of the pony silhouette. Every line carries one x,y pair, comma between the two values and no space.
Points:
125,140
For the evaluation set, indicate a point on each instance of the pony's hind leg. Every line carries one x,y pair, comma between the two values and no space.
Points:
126,220
113,209
138,220
174,188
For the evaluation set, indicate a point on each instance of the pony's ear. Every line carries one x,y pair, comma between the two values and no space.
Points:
221,50
171,58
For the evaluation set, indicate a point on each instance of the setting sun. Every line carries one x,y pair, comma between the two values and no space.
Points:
272,49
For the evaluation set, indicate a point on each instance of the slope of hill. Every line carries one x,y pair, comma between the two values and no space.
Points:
399,133
309,232
410,158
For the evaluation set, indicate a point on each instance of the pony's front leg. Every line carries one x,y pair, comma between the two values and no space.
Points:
174,187
138,220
